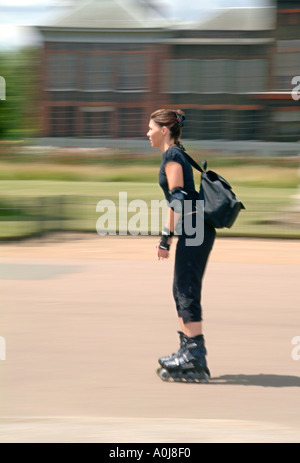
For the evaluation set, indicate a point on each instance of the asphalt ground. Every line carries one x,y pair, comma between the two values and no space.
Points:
84,319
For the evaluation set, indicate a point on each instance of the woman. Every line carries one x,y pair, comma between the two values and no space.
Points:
177,182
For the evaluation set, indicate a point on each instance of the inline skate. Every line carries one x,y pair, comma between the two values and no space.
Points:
188,364
183,340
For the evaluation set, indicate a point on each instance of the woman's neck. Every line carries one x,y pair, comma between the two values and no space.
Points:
168,145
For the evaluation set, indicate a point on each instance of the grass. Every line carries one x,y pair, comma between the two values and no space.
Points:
48,188
273,175
75,173
45,192
71,205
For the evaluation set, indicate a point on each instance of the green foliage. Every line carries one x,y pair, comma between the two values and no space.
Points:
19,112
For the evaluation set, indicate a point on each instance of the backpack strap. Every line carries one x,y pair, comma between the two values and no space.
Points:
194,163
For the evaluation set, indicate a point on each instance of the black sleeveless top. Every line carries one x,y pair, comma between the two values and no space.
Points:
176,154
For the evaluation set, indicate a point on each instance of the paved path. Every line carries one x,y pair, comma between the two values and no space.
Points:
85,318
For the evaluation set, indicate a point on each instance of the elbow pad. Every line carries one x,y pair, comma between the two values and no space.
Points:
177,197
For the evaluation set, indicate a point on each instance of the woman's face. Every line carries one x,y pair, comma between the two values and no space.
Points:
155,134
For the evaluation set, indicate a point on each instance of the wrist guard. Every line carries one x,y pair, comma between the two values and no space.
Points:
166,233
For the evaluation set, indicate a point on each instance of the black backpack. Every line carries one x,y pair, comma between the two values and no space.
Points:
221,207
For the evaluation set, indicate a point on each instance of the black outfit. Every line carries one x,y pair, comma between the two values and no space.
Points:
190,261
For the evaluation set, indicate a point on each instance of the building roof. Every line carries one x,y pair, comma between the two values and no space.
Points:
236,19
133,15
110,14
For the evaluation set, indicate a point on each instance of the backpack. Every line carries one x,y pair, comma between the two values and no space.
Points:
221,207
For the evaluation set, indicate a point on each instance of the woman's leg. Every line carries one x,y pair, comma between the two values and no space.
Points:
189,363
190,265
191,329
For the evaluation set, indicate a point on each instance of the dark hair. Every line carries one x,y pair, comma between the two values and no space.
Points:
173,119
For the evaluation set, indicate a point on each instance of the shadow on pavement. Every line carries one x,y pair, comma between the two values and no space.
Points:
257,380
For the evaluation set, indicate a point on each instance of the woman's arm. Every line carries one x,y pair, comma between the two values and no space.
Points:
174,175
175,179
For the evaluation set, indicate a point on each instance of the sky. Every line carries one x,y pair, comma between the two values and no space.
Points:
15,14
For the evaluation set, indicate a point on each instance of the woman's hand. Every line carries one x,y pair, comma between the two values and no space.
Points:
163,253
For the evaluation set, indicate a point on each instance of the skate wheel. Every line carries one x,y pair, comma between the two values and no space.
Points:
204,379
177,379
163,374
189,379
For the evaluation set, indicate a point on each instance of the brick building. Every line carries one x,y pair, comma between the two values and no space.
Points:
109,63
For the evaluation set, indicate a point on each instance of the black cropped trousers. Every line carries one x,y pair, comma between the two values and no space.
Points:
190,264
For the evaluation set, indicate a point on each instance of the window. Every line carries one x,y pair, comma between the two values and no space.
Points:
61,70
214,124
180,76
247,124
98,72
132,72
250,76
131,123
286,124
62,120
222,124
96,122
193,128
208,124
287,65
214,76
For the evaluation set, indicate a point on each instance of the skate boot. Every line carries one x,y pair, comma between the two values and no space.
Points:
183,340
188,365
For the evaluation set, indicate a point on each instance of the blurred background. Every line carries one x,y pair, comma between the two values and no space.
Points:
80,79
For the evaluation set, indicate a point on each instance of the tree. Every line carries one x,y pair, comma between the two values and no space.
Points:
19,112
